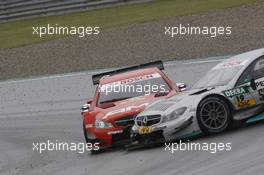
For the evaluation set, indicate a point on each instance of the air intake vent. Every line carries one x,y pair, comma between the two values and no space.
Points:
126,121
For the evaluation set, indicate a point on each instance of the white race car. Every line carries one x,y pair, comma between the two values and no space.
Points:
231,91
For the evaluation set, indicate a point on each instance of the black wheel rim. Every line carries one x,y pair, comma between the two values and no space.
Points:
213,115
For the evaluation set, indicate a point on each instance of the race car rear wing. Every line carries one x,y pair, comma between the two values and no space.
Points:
96,78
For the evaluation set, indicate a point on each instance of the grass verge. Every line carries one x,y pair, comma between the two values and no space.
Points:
16,34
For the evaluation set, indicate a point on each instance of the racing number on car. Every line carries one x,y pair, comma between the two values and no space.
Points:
240,98
261,94
242,103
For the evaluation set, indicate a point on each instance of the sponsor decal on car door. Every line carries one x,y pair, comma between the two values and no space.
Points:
241,96
259,80
260,90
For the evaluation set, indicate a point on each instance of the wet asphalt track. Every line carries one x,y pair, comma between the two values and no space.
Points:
41,109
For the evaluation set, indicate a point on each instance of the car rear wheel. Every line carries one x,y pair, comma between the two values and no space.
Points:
214,115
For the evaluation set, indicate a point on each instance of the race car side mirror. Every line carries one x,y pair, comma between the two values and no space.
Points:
86,107
253,84
182,86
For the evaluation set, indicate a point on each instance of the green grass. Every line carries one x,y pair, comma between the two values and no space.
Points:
15,34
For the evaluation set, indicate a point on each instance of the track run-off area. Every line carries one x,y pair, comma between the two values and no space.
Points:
48,108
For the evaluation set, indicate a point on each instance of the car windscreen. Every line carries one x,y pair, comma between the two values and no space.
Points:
220,75
133,87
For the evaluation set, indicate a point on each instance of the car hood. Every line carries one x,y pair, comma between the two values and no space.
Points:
129,107
189,99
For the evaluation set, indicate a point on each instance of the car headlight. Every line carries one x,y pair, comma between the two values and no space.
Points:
99,124
175,114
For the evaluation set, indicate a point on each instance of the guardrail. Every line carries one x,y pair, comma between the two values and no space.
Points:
12,10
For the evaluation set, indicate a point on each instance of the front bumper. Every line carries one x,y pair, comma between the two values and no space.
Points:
167,131
110,137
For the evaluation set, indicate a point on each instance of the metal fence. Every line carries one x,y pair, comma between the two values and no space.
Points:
11,10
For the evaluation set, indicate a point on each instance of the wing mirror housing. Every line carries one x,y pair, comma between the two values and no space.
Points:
182,86
86,107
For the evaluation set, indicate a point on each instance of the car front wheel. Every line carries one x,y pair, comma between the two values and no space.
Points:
214,115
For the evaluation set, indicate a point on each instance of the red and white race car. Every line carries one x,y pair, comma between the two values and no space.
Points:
121,95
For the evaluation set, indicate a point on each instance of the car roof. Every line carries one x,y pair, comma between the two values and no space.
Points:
250,56
129,74
243,59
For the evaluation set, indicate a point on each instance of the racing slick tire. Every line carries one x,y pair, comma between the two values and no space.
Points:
214,115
